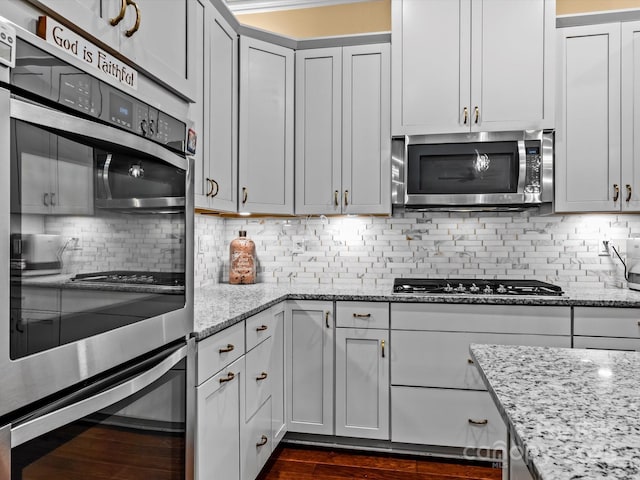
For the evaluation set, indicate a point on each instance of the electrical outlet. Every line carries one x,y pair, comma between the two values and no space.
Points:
298,244
603,247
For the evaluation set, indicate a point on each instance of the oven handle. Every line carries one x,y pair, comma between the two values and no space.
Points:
95,397
522,157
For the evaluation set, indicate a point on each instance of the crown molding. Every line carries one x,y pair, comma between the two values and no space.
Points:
259,6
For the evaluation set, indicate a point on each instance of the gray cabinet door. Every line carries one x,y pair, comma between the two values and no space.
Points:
431,69
512,65
631,116
265,169
366,130
318,131
220,179
588,125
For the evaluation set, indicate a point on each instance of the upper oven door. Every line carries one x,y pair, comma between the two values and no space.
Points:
55,332
466,173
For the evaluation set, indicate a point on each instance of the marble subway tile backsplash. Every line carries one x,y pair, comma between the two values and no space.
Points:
562,249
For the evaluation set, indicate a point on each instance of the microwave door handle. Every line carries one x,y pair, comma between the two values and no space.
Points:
105,176
522,160
71,408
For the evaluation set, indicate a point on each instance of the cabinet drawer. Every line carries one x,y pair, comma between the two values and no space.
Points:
362,315
604,343
606,322
258,377
259,327
442,359
433,416
256,442
219,350
482,318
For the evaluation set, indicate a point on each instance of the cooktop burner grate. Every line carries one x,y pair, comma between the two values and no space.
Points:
451,286
133,277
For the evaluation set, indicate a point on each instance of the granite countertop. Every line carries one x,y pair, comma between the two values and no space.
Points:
574,413
221,305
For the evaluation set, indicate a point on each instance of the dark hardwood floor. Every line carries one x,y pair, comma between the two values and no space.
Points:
306,463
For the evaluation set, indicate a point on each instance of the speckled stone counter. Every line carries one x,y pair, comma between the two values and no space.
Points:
574,413
219,306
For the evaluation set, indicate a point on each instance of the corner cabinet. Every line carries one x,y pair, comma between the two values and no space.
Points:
343,142
162,45
463,65
309,333
217,179
265,168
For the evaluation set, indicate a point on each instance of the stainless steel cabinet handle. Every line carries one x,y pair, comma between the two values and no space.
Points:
346,198
136,26
628,193
326,318
262,376
227,349
477,110
382,345
465,112
616,192
469,361
261,328
484,421
245,195
361,315
263,441
230,376
117,19
45,200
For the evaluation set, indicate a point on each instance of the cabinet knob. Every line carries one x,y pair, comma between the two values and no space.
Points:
230,376
45,199
361,315
326,318
261,328
629,191
245,195
336,202
118,18
262,376
227,349
346,198
469,361
136,26
465,113
382,345
263,441
484,421
616,192
477,113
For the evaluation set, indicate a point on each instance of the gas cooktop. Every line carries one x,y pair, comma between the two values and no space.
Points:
167,279
459,286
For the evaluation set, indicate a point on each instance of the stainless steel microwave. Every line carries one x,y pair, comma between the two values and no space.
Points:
503,170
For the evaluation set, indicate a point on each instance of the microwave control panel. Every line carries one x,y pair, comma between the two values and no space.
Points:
534,164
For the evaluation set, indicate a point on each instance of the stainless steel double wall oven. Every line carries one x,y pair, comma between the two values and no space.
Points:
96,235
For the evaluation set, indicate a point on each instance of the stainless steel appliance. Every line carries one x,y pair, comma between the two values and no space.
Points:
59,126
478,287
36,254
505,170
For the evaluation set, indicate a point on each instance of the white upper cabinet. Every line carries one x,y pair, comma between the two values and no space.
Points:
155,35
588,170
630,181
217,178
481,65
343,139
265,169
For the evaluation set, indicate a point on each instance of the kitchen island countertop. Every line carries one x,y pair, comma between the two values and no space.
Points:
219,306
575,414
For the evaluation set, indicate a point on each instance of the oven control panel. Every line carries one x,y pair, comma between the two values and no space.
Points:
7,45
42,75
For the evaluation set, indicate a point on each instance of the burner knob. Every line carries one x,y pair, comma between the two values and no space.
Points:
461,288
448,288
501,289
487,290
474,288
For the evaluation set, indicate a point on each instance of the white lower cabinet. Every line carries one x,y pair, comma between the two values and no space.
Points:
440,416
309,333
606,328
256,442
258,377
362,383
217,450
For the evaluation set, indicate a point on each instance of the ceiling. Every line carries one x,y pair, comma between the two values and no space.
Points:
255,6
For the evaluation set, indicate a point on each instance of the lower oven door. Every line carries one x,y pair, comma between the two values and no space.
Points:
136,423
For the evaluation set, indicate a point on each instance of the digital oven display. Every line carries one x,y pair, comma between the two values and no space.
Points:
5,53
120,110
